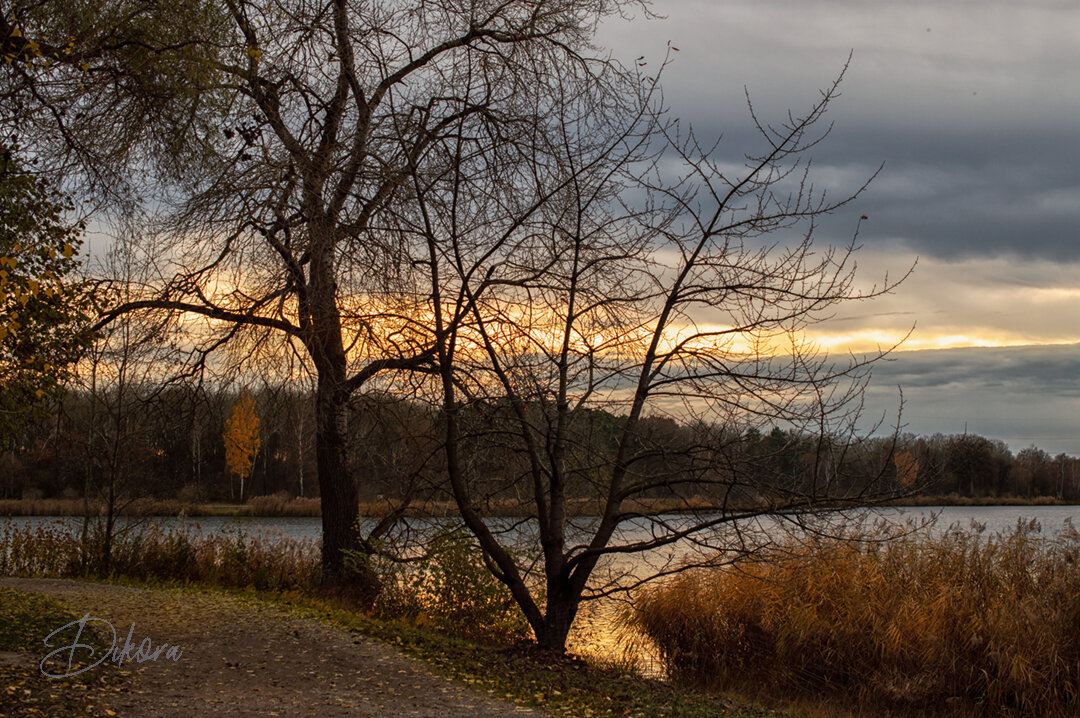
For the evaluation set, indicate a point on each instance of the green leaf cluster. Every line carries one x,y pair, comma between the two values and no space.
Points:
44,311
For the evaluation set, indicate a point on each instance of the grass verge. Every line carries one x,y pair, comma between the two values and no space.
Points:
520,673
25,619
523,674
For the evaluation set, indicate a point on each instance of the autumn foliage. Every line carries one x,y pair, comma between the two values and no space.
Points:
907,469
44,313
242,439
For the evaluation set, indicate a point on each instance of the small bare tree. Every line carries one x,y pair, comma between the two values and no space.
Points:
117,384
597,295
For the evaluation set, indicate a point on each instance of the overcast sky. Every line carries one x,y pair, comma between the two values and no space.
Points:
974,107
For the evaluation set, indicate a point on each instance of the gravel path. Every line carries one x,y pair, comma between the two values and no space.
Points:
244,660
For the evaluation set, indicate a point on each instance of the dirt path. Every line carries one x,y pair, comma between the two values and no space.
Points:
242,660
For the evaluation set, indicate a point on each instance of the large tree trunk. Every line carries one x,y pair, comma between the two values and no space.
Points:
337,489
562,607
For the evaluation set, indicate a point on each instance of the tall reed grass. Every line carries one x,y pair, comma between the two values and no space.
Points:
959,624
262,561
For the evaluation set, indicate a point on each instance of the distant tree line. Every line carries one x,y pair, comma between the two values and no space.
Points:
169,443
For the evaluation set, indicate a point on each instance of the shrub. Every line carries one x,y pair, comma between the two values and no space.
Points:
451,590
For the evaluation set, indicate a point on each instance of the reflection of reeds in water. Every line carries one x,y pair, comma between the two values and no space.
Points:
959,624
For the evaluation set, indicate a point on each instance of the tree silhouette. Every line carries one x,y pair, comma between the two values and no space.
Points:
632,270
319,125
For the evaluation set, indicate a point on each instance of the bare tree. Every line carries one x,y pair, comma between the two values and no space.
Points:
596,295
120,378
467,191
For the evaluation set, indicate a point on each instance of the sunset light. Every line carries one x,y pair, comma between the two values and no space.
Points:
475,358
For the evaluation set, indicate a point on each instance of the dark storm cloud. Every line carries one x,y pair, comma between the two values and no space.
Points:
1033,370
950,199
971,106
974,196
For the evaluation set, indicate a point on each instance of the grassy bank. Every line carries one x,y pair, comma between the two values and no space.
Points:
256,506
958,500
954,625
278,505
559,685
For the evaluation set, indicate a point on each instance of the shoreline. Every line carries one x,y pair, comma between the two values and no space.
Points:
271,506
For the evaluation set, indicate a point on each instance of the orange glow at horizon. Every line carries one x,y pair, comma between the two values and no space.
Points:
870,340
373,323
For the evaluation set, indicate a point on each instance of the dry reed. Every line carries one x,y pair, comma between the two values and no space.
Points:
275,505
263,561
959,624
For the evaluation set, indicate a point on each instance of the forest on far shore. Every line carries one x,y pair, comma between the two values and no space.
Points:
171,444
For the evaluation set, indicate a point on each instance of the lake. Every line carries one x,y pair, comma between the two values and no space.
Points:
995,518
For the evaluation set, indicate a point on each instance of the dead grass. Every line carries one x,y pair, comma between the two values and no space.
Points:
275,505
235,559
955,625
958,500
283,505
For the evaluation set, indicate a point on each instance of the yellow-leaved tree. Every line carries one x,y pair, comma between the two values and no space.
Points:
241,439
907,469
